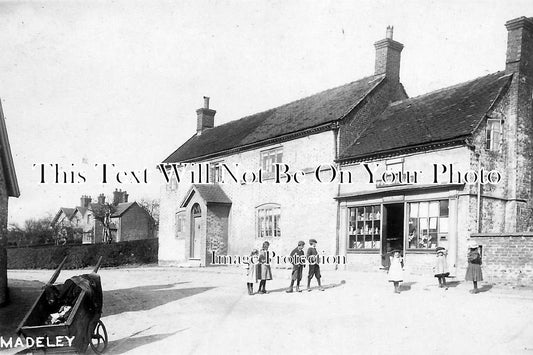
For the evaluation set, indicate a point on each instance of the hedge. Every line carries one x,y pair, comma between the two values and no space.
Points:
80,256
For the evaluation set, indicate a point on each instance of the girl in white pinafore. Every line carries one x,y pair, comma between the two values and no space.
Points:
396,270
250,271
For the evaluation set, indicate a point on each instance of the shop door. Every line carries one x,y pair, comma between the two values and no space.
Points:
392,231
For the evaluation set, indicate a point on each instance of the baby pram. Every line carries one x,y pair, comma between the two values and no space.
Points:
83,323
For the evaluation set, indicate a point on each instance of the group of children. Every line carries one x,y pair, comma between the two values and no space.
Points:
473,271
261,272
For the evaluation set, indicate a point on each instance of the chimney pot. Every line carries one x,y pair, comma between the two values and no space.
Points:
206,102
390,31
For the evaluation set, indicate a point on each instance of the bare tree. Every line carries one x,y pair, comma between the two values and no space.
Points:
151,205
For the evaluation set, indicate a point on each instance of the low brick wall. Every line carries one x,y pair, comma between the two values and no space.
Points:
78,256
507,258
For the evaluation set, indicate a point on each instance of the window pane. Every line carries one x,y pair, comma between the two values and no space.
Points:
423,209
413,210
413,232
434,208
443,225
444,208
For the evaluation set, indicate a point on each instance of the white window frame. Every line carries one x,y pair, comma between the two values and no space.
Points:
268,221
490,135
275,155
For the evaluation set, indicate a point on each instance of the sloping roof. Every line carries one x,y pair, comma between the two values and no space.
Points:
325,107
122,208
7,159
210,193
65,210
438,116
82,210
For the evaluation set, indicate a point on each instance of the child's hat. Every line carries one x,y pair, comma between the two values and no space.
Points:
473,245
312,241
395,250
440,250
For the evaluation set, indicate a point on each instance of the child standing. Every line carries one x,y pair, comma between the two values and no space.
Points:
263,270
250,271
473,271
396,270
441,267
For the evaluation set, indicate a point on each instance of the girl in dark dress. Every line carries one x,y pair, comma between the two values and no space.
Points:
473,271
264,272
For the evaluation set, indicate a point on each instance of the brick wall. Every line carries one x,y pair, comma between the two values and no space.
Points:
507,257
217,229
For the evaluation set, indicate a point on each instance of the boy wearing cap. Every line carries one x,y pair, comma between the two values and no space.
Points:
314,267
297,266
441,267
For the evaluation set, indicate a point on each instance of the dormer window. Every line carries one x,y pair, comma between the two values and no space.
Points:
493,137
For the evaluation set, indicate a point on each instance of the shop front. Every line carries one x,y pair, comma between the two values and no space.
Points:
416,221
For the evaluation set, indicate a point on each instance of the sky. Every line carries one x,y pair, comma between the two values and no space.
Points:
118,82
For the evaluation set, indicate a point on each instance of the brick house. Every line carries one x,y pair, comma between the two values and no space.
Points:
8,188
484,123
130,221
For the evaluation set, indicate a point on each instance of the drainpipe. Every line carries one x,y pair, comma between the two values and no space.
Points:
337,226
479,187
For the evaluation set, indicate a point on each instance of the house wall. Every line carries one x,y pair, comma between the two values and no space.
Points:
4,297
134,224
308,209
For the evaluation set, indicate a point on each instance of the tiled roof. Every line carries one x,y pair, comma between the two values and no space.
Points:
121,208
67,211
309,112
212,193
438,116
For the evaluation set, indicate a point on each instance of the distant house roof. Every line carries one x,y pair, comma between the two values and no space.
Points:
82,210
438,116
7,159
65,210
122,208
210,193
310,112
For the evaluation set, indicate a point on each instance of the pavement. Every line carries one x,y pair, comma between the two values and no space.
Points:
156,310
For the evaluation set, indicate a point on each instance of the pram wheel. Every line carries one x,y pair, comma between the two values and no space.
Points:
99,338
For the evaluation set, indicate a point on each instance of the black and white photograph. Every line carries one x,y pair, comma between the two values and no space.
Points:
266,177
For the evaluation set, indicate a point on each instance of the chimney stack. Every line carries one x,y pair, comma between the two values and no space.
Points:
85,201
206,117
119,196
101,199
520,47
388,54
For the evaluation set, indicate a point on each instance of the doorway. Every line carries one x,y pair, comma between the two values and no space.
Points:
392,230
196,229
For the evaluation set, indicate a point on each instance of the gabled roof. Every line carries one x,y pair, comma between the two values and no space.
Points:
122,208
439,116
210,193
82,211
310,112
7,159
66,211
